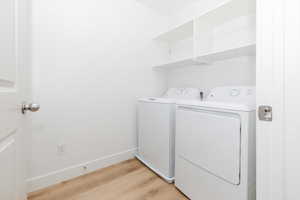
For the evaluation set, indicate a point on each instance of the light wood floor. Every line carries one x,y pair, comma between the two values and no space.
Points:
129,180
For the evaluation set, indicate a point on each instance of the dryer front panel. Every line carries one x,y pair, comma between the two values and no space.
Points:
211,141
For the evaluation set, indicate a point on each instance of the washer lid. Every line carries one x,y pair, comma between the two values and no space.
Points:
174,94
158,100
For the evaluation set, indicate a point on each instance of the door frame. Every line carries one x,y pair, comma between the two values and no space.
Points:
270,91
24,90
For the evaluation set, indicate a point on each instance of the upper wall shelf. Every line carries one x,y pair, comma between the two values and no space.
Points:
210,57
215,56
217,15
223,32
227,10
176,64
180,32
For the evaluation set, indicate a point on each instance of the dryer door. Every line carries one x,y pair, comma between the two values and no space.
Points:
211,141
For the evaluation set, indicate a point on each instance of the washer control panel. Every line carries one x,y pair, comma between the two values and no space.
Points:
183,93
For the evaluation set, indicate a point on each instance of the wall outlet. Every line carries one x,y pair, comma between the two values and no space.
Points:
85,168
61,149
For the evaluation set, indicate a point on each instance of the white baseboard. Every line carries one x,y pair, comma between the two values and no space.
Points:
55,177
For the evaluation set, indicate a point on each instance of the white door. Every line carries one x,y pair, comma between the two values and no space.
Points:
13,81
278,85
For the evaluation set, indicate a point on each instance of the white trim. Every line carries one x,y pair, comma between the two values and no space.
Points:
168,179
270,91
58,176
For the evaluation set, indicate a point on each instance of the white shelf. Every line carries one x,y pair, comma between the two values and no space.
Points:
219,14
177,64
231,21
227,10
177,33
246,50
209,58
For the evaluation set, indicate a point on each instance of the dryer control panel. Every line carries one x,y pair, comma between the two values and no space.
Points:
239,94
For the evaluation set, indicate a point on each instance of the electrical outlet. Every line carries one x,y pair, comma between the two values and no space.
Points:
61,149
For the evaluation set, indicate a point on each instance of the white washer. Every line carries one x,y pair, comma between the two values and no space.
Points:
156,128
215,145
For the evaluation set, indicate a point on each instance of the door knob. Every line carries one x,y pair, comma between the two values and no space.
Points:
33,107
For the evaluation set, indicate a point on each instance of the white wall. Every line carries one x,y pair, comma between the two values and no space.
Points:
91,61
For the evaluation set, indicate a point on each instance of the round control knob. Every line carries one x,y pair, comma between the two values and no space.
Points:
235,92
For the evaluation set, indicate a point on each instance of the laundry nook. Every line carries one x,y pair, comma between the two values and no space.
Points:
149,99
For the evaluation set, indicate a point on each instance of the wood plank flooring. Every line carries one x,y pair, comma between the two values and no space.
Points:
129,180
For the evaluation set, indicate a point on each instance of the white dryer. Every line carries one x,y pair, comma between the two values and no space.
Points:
156,130
215,145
